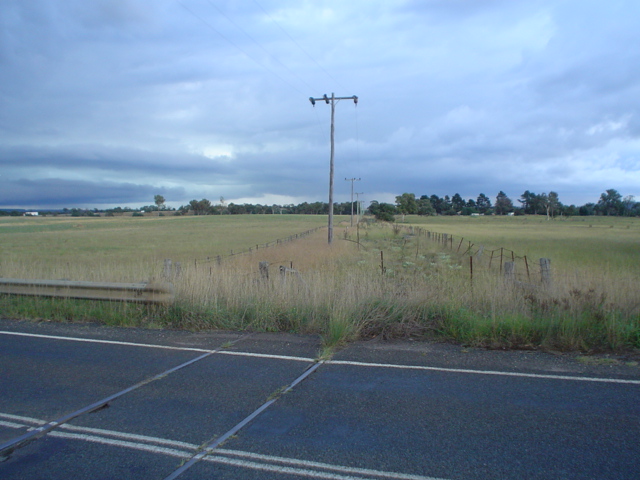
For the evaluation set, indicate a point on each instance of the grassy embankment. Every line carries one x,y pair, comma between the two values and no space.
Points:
341,292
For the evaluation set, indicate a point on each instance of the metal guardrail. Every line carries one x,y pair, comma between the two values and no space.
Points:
123,292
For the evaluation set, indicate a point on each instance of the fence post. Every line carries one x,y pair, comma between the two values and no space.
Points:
177,269
510,272
264,270
167,270
545,271
526,264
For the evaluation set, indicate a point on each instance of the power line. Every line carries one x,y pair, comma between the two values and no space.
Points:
259,44
299,46
208,24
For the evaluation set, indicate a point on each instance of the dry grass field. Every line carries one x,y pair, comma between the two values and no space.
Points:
392,284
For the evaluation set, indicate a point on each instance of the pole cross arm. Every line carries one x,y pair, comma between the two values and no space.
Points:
327,99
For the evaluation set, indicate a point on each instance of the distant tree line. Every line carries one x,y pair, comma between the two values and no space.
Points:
610,203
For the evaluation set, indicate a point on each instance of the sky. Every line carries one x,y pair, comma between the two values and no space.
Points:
107,103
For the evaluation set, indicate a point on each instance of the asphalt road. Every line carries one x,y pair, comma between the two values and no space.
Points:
378,410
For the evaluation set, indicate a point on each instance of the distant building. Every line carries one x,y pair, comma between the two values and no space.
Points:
30,214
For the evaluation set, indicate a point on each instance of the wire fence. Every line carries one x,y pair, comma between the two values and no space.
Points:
173,269
517,268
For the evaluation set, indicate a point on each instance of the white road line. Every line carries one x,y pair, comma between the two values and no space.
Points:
249,460
484,372
161,347
337,362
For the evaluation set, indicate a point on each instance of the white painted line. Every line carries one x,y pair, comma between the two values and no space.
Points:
11,424
337,362
161,347
121,443
326,466
222,456
106,342
484,372
35,421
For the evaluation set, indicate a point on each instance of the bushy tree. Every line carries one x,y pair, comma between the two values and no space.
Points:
383,211
483,204
425,207
504,204
407,204
610,203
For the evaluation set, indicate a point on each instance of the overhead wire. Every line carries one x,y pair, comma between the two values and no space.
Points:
259,44
243,51
299,46
208,24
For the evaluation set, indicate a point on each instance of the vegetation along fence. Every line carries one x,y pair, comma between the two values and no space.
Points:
515,268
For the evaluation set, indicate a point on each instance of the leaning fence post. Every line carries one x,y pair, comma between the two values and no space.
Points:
526,264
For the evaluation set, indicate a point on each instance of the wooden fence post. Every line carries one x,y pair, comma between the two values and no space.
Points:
545,271
167,269
264,270
510,272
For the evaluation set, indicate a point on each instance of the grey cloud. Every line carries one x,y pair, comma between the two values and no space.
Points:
57,193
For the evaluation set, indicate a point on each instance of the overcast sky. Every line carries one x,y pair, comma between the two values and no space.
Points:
109,102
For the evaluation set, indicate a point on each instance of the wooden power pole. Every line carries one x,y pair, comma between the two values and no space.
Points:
332,101
352,180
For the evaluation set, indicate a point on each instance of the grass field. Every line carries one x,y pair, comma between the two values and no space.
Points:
392,284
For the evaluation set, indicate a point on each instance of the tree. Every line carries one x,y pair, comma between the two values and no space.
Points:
424,206
504,204
553,204
483,204
407,204
629,205
457,202
202,207
527,199
383,211
610,202
159,201
437,203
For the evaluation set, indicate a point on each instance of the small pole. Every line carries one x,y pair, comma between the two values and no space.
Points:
382,262
471,267
526,264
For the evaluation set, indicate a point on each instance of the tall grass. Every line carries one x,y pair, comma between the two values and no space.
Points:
347,291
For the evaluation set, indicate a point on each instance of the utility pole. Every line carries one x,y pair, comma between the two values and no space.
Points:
333,113
358,204
352,180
